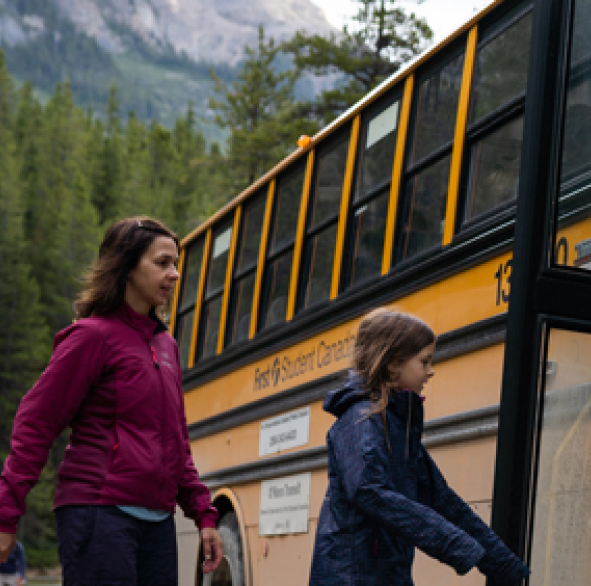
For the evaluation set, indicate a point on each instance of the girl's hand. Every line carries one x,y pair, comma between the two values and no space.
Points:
7,544
212,549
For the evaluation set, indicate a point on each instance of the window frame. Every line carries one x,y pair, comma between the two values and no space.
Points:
486,126
395,94
184,310
272,256
239,275
209,297
411,170
343,136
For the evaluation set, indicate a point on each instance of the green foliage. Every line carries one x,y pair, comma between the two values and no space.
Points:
261,112
65,176
384,38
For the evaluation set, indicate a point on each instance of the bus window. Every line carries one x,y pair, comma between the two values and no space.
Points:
495,132
281,244
214,290
320,240
369,211
287,207
424,196
186,303
573,241
576,150
245,269
184,331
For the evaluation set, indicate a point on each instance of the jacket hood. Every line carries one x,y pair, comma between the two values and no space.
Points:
338,401
405,404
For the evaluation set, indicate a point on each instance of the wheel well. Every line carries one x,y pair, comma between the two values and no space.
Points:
223,505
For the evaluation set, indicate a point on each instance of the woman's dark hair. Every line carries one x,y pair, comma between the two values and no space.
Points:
122,248
385,338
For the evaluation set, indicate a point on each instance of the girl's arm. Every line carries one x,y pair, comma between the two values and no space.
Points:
498,562
366,476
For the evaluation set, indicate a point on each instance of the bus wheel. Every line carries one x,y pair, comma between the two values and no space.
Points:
230,572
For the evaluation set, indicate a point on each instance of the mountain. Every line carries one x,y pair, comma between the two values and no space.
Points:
158,52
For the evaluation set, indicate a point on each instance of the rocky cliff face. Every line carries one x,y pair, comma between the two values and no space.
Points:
213,31
157,52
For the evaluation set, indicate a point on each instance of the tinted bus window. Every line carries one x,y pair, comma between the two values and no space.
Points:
245,270
378,137
422,217
321,234
187,300
368,215
278,278
500,69
424,210
287,206
369,231
277,274
214,291
494,137
192,271
437,108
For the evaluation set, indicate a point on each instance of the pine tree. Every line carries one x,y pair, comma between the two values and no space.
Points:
106,178
260,111
133,197
189,178
24,337
63,223
382,40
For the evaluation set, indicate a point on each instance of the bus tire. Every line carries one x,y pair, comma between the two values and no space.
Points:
230,572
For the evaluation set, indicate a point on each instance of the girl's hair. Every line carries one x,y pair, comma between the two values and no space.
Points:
122,248
384,338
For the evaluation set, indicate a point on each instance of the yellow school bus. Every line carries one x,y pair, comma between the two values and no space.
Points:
407,200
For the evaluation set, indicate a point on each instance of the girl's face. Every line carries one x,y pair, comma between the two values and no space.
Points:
416,371
152,280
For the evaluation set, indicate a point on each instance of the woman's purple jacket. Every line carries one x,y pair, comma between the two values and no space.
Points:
116,381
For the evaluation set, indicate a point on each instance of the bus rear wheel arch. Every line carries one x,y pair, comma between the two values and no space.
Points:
234,567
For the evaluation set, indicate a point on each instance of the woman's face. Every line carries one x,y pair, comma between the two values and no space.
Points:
151,281
416,371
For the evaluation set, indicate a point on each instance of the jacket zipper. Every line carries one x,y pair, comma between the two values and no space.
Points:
162,426
407,448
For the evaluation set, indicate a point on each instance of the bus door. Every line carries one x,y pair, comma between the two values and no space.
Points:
542,492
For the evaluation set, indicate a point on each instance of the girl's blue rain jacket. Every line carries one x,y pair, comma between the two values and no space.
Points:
382,502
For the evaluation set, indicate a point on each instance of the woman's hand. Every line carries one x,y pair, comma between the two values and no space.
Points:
7,544
212,549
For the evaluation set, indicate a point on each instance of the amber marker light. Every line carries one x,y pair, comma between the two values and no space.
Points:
304,141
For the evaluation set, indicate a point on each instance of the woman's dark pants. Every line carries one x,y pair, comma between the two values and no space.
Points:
102,545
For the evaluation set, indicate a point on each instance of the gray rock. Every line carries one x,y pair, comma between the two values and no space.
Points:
215,32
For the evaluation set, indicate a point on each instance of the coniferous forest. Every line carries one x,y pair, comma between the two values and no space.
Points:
66,174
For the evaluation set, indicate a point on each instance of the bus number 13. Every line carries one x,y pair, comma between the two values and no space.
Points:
503,277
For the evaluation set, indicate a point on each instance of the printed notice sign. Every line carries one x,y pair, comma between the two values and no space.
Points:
284,505
285,431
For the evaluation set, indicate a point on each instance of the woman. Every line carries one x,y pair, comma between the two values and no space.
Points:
386,496
115,379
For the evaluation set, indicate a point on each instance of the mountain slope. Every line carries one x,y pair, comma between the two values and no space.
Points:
158,52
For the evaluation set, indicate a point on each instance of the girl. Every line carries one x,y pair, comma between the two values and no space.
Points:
115,379
386,496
